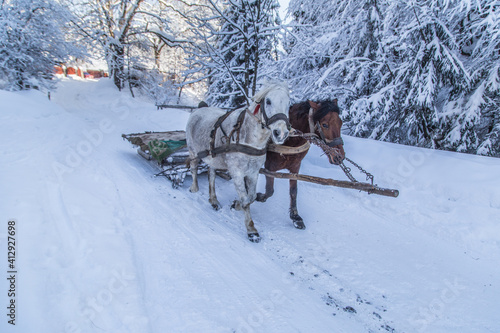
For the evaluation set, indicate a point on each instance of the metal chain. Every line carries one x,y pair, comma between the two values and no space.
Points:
369,176
347,172
313,138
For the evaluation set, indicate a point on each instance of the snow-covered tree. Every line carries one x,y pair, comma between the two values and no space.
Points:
480,116
233,39
118,29
332,47
32,42
427,70
420,72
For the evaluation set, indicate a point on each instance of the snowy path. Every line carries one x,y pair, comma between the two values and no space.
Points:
104,246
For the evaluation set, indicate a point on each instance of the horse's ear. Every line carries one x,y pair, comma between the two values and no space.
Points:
335,102
315,106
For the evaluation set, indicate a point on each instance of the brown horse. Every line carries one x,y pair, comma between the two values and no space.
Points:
323,119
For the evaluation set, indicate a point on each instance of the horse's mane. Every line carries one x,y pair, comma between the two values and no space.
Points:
326,106
269,85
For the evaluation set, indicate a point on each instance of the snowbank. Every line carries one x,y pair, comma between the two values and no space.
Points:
104,246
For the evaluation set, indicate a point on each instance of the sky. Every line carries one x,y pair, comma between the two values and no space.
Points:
283,8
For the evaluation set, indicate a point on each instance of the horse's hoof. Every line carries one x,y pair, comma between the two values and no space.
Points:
215,203
261,197
254,237
299,225
298,222
236,205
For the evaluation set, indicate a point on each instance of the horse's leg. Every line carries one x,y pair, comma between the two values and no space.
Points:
193,163
241,186
211,189
262,197
294,214
251,186
252,233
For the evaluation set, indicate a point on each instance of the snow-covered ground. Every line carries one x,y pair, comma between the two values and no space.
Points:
102,246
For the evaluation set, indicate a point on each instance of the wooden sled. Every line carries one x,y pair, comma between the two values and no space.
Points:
172,165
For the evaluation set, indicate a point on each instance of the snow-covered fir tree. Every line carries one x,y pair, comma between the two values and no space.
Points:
426,71
332,47
32,42
477,127
419,72
232,43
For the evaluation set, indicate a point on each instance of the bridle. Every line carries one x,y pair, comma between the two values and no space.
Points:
265,122
269,121
312,126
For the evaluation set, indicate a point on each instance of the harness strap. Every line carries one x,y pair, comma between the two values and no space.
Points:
287,150
218,124
311,121
233,148
237,126
320,131
228,147
275,118
279,116
335,142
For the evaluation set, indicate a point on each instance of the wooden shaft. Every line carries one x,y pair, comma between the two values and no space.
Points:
167,106
332,182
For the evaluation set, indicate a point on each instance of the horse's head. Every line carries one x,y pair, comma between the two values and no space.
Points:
325,118
273,102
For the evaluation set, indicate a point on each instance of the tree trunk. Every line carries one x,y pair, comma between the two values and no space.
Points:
20,78
118,69
256,49
247,50
157,54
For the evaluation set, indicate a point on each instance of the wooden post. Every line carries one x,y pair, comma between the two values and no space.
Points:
332,182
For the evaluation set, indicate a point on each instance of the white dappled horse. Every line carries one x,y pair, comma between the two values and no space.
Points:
267,116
